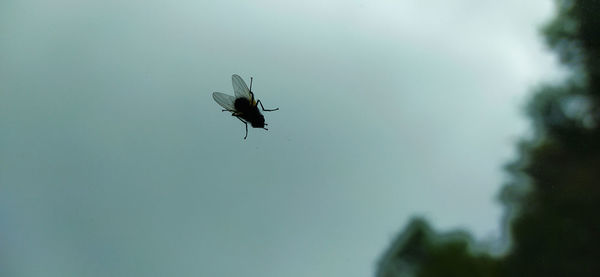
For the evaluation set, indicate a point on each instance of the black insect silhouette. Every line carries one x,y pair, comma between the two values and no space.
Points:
244,105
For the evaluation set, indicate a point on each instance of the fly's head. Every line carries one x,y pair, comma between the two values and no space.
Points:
259,122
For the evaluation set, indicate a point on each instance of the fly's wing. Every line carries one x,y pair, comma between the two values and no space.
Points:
226,101
239,87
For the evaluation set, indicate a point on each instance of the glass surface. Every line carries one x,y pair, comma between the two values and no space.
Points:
413,138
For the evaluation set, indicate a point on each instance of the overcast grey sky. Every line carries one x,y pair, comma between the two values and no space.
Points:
116,161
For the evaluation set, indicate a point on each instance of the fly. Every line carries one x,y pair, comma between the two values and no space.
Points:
244,105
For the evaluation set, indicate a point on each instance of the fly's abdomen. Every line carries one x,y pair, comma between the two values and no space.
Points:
242,105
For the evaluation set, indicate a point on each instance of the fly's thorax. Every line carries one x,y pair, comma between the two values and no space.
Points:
249,112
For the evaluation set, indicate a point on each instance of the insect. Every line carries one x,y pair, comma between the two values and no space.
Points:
244,105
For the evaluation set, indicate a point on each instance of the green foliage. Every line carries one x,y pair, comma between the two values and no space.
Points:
554,197
556,231
421,252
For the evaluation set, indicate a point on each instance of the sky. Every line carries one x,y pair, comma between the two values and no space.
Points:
116,161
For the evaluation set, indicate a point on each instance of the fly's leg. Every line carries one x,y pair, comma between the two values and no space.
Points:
258,102
251,87
266,110
261,105
251,96
250,91
245,123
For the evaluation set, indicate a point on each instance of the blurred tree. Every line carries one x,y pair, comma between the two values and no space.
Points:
555,229
554,197
421,252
